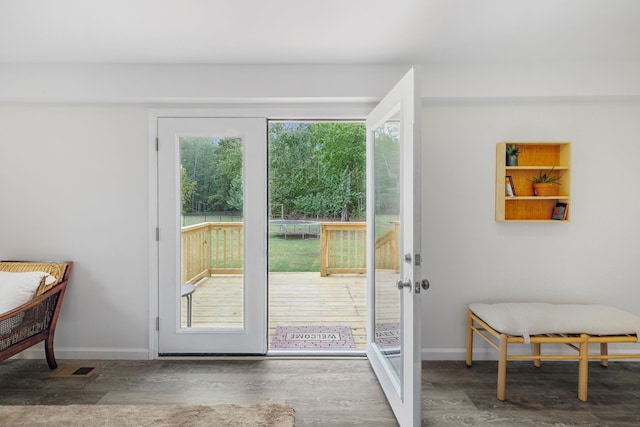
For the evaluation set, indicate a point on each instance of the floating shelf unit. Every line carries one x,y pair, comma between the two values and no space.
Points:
533,158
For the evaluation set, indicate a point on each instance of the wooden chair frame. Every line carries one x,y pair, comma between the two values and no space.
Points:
33,322
578,342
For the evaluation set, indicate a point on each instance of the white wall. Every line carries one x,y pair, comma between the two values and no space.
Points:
471,258
74,180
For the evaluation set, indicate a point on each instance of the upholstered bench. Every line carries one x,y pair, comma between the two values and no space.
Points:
576,326
31,295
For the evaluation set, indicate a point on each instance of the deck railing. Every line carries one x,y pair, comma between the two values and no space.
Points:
211,248
388,249
343,248
217,248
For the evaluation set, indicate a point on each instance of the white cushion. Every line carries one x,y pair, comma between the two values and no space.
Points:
49,279
525,319
18,288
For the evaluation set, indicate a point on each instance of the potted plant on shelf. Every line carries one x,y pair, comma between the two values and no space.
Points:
512,155
546,184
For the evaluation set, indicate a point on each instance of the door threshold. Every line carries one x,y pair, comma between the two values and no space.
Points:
272,354
317,353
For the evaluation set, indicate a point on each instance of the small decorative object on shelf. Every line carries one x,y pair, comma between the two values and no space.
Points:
512,155
560,211
510,189
546,184
539,163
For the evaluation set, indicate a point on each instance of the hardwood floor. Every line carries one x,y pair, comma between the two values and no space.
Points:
343,392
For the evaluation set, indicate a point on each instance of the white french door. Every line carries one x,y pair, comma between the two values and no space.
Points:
232,152
393,234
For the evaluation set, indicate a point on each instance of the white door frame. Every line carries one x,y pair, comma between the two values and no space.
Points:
299,109
251,336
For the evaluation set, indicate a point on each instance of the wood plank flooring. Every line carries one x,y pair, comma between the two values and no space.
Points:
343,392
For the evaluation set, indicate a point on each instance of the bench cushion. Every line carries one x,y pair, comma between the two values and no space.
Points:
531,318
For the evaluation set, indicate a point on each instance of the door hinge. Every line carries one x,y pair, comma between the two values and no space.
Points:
157,323
157,234
157,144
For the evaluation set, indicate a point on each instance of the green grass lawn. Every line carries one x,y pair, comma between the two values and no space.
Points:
290,255
294,254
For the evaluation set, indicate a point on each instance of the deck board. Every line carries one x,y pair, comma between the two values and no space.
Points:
295,299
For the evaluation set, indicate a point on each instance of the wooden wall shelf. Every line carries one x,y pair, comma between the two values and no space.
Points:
533,158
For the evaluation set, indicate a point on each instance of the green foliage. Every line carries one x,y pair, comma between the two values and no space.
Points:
546,178
387,169
235,200
216,166
342,152
513,150
293,169
188,189
316,169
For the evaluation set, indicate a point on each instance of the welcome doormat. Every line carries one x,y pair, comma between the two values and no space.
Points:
388,334
313,337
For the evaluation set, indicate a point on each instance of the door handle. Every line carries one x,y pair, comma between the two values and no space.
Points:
422,285
401,284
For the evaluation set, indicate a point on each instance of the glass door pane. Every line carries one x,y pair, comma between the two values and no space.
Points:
387,247
212,201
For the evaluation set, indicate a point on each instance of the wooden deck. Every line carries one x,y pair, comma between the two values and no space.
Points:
295,299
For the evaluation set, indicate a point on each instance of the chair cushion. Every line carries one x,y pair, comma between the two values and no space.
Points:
18,288
55,269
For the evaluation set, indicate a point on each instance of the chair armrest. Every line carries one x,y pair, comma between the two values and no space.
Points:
31,318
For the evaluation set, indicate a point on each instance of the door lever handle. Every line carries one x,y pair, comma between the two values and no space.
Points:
401,284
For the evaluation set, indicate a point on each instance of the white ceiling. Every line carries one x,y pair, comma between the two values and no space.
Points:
318,31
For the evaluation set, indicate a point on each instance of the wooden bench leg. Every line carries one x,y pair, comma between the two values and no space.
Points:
536,352
502,367
583,370
469,339
604,351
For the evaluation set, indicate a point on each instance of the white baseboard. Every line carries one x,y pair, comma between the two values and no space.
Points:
443,354
88,353
105,353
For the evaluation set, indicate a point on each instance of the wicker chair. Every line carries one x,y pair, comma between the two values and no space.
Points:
35,320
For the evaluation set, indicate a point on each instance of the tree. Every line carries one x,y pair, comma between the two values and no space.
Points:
197,156
317,168
215,164
342,151
230,154
387,169
292,164
188,189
